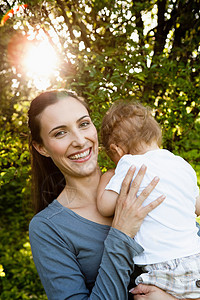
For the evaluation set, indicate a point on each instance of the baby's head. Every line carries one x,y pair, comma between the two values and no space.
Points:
129,128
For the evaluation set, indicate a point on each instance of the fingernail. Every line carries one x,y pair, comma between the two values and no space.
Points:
143,167
131,290
156,179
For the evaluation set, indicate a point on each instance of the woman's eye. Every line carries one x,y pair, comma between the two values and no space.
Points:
60,133
85,124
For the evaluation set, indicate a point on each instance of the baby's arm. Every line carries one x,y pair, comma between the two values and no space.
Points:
106,199
198,206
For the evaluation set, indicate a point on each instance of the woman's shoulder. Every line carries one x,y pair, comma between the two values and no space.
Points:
48,213
44,217
52,209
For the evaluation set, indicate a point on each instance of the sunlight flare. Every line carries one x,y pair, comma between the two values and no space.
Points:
40,63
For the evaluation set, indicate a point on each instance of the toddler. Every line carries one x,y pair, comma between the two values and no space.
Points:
171,256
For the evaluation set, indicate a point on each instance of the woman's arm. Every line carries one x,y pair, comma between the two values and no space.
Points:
57,263
60,271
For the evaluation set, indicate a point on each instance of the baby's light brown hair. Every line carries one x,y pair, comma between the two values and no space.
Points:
129,125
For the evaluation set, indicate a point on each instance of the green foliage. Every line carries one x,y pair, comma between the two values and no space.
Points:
14,157
21,280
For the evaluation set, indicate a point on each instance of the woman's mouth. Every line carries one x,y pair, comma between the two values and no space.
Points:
81,156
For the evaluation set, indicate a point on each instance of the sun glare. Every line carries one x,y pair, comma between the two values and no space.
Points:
40,63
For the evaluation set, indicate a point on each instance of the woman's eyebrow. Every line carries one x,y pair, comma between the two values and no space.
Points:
57,127
64,126
86,116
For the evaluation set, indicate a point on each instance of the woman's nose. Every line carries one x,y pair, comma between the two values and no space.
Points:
78,139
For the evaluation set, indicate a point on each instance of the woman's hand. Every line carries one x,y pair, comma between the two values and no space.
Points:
129,212
150,292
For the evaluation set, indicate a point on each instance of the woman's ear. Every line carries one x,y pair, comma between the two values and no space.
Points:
117,152
40,148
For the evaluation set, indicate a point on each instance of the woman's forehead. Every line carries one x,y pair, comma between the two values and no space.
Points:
67,107
66,110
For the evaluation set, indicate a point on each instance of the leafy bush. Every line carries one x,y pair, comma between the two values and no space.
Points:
19,279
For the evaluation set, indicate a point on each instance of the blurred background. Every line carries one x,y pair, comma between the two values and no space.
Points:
104,50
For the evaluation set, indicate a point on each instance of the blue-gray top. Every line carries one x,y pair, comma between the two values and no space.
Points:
80,259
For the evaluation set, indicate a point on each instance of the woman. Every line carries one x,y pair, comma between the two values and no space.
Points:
78,253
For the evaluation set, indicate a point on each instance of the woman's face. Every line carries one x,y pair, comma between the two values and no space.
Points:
69,137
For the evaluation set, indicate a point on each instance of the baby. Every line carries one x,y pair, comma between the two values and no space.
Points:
171,256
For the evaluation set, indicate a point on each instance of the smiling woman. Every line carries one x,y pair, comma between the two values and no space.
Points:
69,139
57,132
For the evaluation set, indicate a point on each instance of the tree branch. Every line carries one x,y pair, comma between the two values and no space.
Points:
160,35
67,22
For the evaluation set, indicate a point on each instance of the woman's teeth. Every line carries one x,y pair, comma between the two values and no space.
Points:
80,155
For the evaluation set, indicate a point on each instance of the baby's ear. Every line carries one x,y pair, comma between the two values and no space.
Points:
117,150
41,149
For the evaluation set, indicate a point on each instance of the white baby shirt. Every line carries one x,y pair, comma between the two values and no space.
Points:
169,231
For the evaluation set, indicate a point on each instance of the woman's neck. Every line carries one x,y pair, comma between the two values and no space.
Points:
80,191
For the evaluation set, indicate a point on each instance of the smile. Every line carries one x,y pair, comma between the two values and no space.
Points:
81,155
